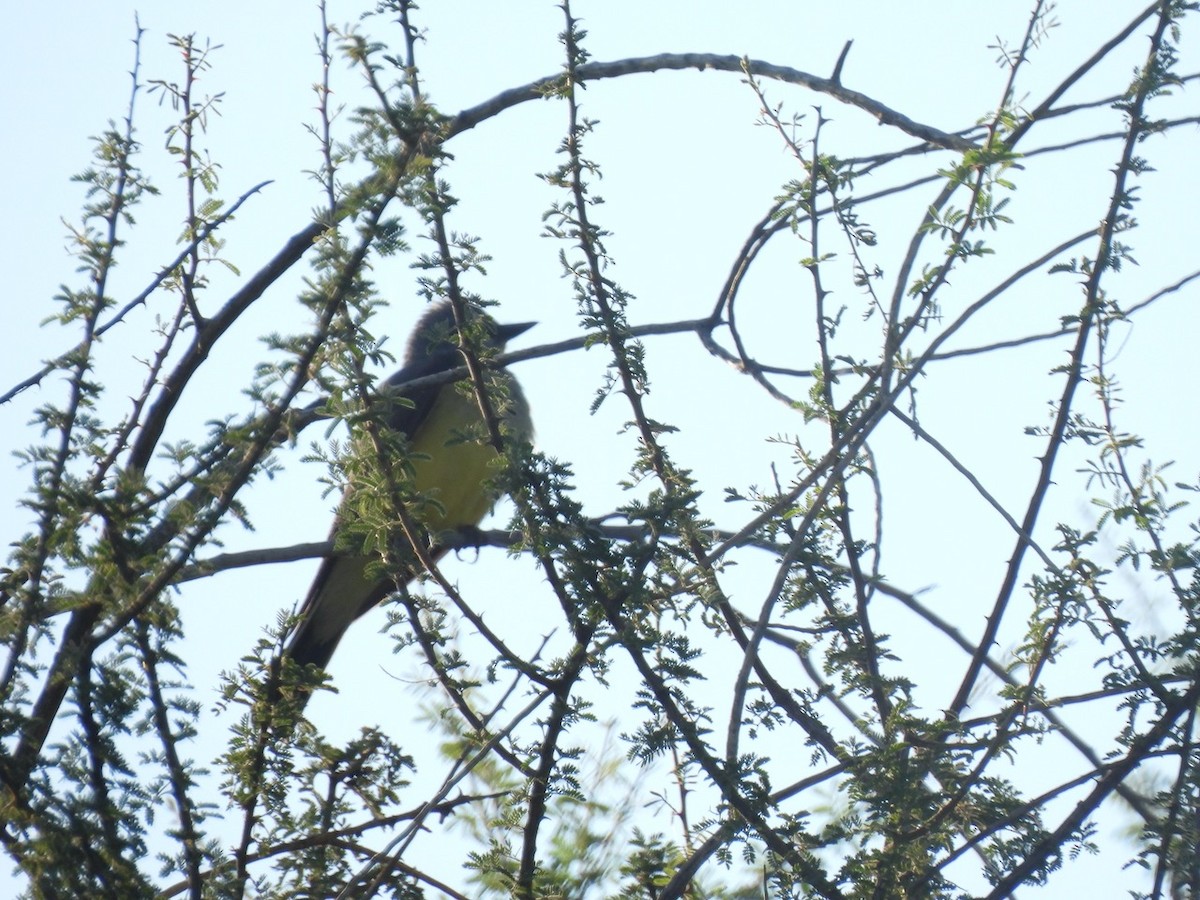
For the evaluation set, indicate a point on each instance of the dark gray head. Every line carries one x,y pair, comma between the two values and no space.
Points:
436,338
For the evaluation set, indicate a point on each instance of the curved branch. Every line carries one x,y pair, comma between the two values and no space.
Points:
595,71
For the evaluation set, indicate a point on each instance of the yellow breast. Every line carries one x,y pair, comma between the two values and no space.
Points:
454,470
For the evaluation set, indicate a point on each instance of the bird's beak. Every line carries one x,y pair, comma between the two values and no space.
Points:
506,333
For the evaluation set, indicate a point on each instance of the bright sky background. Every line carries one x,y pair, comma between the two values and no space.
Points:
686,175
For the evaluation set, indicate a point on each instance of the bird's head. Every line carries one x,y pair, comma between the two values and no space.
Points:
436,336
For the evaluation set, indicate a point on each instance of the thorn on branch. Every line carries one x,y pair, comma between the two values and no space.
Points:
836,77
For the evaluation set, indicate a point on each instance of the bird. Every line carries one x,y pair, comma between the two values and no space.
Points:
452,471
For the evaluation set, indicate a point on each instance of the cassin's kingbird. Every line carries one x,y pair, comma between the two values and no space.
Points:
449,469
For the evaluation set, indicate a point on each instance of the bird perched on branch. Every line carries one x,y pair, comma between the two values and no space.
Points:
448,468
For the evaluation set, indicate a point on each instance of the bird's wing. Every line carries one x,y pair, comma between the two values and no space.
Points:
342,590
